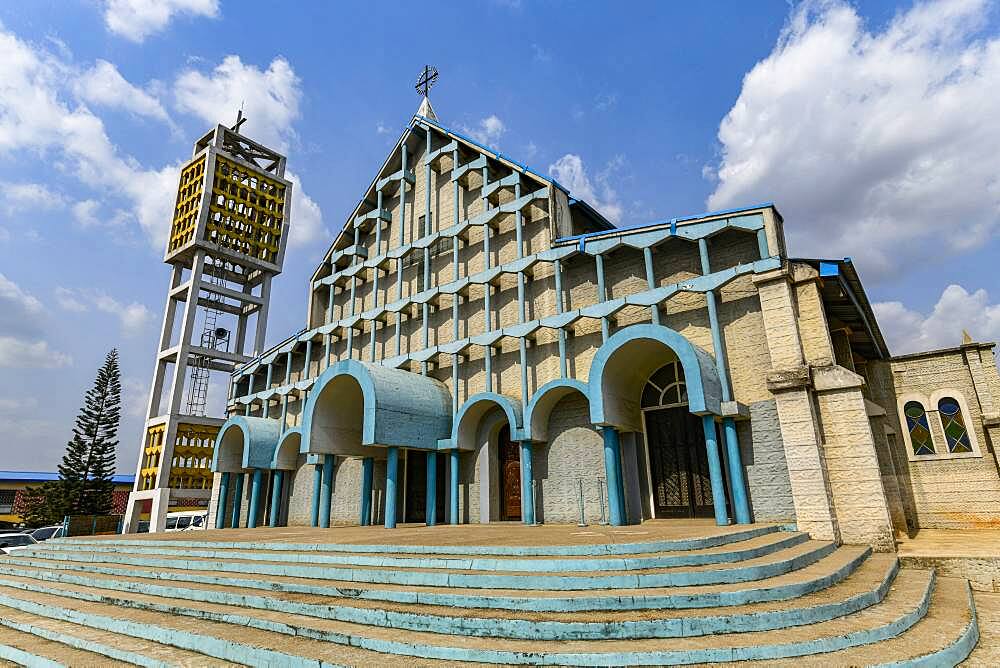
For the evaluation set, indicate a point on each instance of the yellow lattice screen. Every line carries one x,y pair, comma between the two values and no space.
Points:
191,465
189,191
246,211
151,456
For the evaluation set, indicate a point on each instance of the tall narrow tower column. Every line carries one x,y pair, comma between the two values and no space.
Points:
227,241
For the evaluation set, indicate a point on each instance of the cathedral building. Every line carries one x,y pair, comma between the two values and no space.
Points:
482,346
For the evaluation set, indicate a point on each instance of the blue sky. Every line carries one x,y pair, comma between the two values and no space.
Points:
871,125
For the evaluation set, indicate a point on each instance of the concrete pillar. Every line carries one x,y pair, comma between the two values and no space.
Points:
613,472
317,490
237,500
326,491
367,478
220,509
527,491
391,471
158,509
741,505
715,470
453,487
430,517
276,484
256,485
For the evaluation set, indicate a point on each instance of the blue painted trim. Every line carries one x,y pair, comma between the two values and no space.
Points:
367,482
23,658
237,500
527,491
317,492
220,507
430,507
715,470
326,491
256,491
737,481
954,652
275,510
613,472
540,407
260,440
703,385
286,439
391,475
453,486
473,410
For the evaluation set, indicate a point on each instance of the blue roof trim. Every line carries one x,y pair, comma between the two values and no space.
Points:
39,476
672,221
496,154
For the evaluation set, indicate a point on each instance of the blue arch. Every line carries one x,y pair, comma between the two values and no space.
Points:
611,388
541,405
279,459
399,408
473,410
260,440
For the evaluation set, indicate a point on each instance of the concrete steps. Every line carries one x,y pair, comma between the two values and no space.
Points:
745,596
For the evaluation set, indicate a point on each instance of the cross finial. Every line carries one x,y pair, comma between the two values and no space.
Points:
426,80
240,119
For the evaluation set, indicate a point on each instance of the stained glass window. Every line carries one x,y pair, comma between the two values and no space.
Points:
666,387
919,428
955,432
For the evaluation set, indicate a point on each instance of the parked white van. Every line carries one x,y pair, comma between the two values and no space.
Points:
187,520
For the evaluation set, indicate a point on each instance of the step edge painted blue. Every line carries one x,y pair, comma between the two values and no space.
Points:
22,658
525,604
954,652
679,657
597,549
492,565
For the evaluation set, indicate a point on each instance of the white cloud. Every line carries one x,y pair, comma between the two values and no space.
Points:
21,330
488,131
570,172
20,197
909,331
382,129
269,98
17,405
306,221
133,317
135,394
881,145
606,101
104,85
136,20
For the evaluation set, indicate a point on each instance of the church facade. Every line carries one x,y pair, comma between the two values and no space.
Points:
481,346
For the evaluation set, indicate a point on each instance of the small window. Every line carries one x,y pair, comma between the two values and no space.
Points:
7,497
955,432
919,428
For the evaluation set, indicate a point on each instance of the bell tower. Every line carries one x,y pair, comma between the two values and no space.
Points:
227,241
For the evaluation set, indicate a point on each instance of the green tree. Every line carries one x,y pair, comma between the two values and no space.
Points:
89,462
44,505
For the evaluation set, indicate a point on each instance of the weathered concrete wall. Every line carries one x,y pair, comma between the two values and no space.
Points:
575,453
765,464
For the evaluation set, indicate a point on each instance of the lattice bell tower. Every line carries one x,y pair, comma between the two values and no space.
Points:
227,241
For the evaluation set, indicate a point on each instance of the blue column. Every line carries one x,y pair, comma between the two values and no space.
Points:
326,491
237,500
220,509
453,487
391,469
527,492
715,470
613,470
255,489
741,506
317,488
276,483
367,476
432,480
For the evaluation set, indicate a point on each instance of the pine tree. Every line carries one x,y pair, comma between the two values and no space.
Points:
43,505
89,462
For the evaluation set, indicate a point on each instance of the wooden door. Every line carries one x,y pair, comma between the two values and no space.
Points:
510,477
678,463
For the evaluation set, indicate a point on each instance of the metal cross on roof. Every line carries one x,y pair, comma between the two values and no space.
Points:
426,80
240,120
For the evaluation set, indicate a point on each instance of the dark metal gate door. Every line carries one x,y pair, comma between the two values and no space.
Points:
678,463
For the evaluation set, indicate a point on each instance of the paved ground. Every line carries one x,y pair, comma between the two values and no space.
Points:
987,652
952,543
464,534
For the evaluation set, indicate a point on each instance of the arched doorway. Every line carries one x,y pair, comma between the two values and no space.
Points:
509,469
675,443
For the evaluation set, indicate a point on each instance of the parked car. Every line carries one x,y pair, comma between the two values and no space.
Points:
12,542
44,533
186,520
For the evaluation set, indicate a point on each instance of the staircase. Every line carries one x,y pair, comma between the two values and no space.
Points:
753,594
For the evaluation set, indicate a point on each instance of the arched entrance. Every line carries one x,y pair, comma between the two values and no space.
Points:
675,446
509,470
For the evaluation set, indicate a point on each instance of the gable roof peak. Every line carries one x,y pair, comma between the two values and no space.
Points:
426,110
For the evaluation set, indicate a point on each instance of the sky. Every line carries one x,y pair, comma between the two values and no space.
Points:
871,125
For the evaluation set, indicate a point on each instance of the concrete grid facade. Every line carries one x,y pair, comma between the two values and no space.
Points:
469,296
